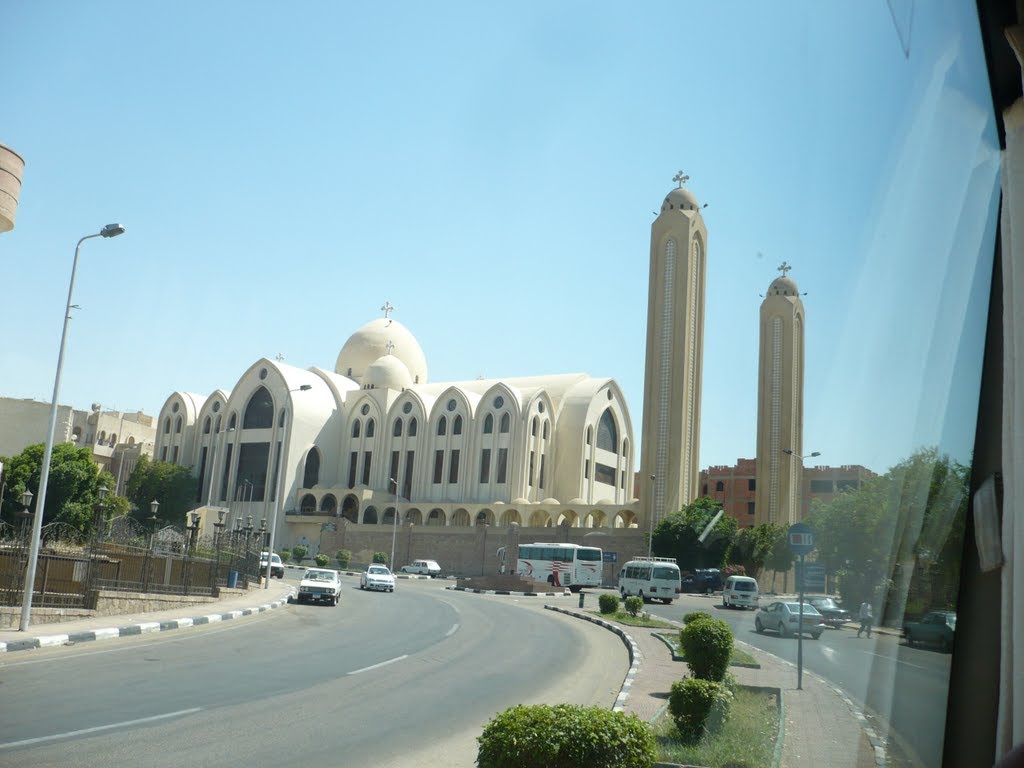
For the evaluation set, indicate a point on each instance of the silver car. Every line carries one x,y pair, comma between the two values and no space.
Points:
377,577
784,618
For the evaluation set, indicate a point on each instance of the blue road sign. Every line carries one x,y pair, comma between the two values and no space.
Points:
801,539
611,557
810,577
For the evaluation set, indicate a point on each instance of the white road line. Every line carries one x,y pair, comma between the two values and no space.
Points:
124,724
895,660
452,631
381,664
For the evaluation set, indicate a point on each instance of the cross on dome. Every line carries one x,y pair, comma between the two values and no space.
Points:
389,346
680,178
784,268
387,309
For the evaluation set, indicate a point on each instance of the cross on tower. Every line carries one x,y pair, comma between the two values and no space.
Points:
279,357
680,178
784,268
389,346
387,309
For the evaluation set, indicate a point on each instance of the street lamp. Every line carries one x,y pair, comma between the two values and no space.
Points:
800,479
26,512
111,230
394,521
280,495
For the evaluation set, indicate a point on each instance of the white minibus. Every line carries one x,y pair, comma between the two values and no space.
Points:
652,578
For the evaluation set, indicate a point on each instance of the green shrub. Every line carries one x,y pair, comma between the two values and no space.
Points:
286,555
565,736
634,605
692,616
608,603
344,557
321,560
707,646
380,557
698,707
299,553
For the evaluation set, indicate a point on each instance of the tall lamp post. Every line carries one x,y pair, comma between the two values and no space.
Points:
394,521
800,480
280,496
111,230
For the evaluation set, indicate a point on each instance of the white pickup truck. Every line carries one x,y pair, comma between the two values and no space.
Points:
423,567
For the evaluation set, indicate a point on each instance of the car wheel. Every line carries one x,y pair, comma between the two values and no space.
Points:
622,593
362,586
337,598
910,640
945,645
758,625
724,603
816,635
783,629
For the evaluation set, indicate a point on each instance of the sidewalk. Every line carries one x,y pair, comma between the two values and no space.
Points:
256,600
822,727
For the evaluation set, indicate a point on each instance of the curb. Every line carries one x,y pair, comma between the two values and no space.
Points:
506,592
628,641
131,630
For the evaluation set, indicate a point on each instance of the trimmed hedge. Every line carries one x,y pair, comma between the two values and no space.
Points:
286,555
608,603
565,736
321,560
693,616
380,557
707,646
299,553
698,707
344,557
634,605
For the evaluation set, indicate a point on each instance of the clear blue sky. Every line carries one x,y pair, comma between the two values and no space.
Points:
284,168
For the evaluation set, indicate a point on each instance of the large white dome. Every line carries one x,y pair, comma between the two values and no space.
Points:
370,343
387,373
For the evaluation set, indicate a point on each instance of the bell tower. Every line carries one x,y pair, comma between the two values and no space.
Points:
675,350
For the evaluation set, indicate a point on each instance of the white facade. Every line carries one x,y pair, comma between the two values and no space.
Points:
375,436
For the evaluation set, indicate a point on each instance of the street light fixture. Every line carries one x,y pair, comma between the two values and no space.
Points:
799,488
110,230
280,495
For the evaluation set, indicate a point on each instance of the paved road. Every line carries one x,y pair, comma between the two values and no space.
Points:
370,682
905,687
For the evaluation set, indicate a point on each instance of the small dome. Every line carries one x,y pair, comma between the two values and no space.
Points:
605,502
370,342
577,501
387,372
520,501
550,501
783,286
680,198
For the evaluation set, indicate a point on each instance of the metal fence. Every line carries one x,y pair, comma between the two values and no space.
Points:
71,569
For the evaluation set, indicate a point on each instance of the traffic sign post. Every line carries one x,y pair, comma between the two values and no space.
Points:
801,543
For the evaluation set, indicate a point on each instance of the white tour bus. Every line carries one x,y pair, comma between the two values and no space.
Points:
561,565
652,578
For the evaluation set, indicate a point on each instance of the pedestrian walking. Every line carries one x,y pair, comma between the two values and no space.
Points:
865,617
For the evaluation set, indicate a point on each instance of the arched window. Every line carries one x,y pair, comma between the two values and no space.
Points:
355,428
312,474
113,439
206,426
590,435
505,421
167,425
216,427
442,426
308,505
607,434
397,431
533,427
457,426
412,427
719,486
488,424
103,436
280,419
177,426
259,414
546,424
369,428
233,421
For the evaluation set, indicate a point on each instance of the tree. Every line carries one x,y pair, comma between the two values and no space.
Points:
72,488
676,536
780,556
752,546
170,484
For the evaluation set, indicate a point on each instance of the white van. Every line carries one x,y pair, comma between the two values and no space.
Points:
740,591
652,578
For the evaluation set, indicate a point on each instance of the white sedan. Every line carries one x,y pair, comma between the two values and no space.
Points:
320,584
377,577
784,618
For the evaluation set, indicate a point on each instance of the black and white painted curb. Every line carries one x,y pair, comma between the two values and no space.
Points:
143,628
506,592
631,646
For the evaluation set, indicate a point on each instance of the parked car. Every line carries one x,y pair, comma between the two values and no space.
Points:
934,628
834,615
423,567
703,581
784,618
276,565
320,584
741,592
377,577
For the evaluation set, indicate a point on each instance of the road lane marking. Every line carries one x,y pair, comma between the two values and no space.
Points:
897,661
452,631
381,664
96,729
